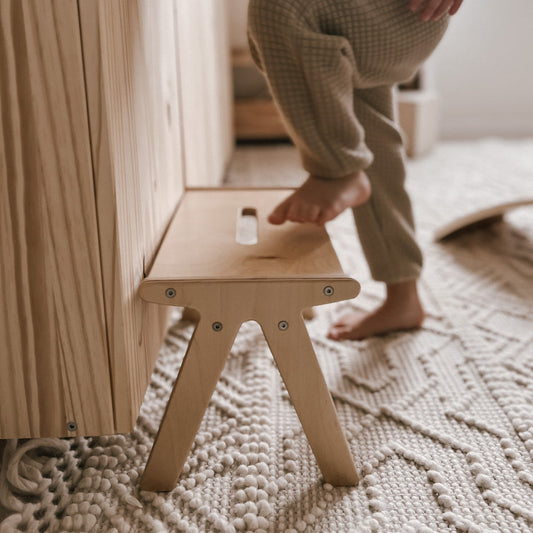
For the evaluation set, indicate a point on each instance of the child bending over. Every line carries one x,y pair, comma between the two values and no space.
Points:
331,66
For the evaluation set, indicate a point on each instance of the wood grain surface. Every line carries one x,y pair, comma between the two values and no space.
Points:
229,303
93,166
205,226
258,119
130,54
53,347
223,283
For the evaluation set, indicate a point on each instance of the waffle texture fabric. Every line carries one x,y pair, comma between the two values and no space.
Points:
331,66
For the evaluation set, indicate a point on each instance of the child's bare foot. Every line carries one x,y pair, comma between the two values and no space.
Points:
319,200
401,310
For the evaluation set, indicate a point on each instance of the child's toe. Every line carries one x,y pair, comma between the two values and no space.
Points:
336,331
279,215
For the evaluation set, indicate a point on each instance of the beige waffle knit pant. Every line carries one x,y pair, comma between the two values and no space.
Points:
331,66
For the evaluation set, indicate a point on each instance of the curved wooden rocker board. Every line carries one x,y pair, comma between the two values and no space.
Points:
479,218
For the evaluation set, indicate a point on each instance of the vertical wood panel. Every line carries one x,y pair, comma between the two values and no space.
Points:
206,89
53,350
85,200
132,84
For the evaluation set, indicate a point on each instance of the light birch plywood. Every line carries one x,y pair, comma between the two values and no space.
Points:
255,118
132,73
287,251
258,119
291,268
229,304
53,347
206,89
480,217
92,171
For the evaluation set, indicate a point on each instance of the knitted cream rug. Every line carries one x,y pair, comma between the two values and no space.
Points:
439,421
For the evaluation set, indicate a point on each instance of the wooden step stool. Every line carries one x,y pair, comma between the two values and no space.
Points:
201,266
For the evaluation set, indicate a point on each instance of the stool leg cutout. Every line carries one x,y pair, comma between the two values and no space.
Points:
190,315
197,378
297,363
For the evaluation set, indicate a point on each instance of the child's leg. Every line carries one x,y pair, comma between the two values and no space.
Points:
385,225
310,75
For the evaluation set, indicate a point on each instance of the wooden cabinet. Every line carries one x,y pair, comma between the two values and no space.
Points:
97,138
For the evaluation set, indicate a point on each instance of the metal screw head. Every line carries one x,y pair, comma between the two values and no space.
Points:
72,426
329,290
170,292
217,326
283,325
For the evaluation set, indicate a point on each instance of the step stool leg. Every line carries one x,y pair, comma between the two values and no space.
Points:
299,368
197,378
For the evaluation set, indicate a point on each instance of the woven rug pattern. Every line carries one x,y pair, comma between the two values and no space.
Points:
439,420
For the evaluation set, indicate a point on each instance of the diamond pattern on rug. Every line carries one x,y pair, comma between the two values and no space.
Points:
439,420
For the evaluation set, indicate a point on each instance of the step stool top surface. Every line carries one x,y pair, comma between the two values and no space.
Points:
201,244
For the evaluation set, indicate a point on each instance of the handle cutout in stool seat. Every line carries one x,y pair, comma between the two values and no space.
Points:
246,232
